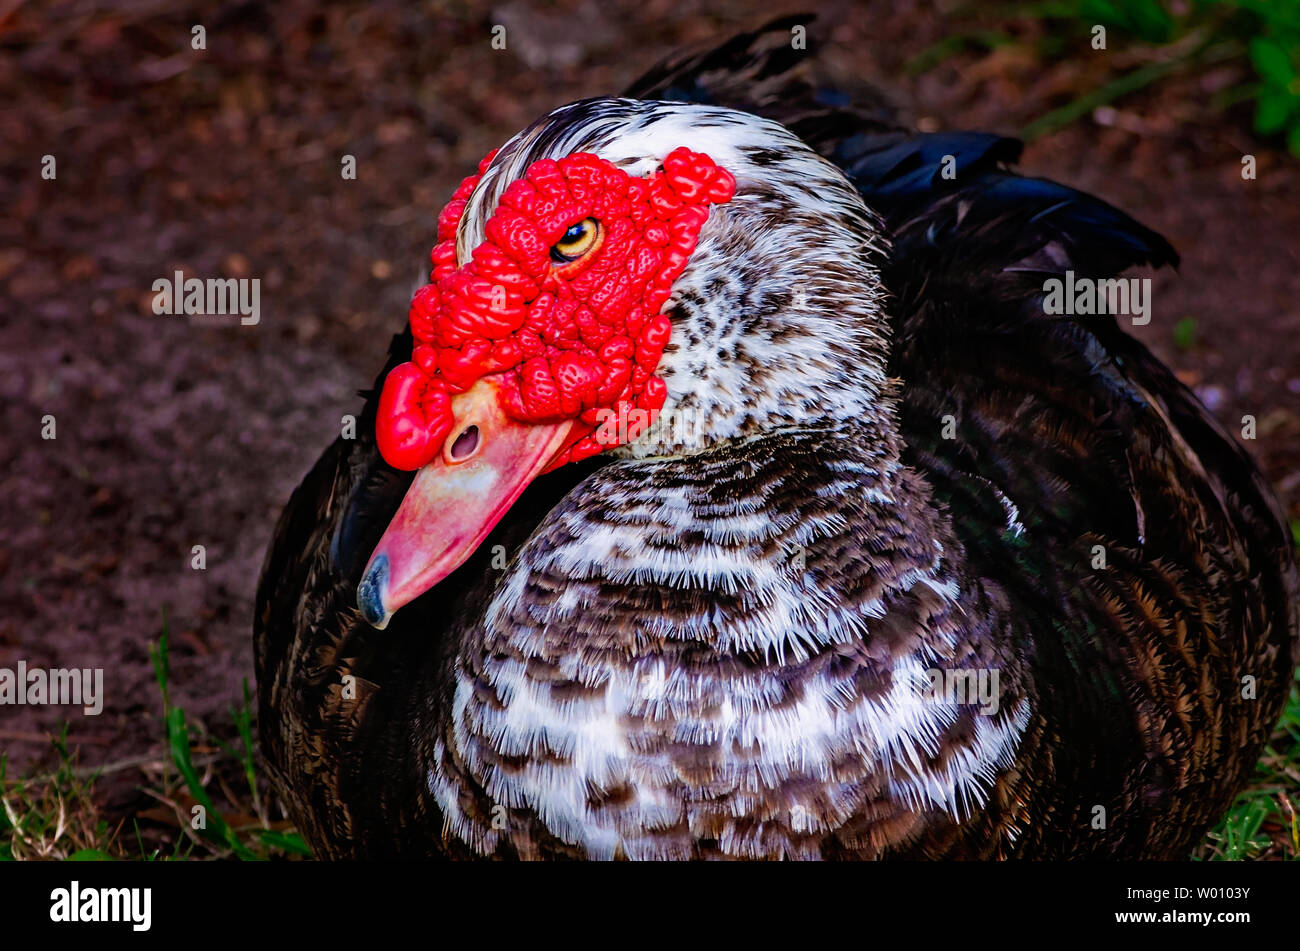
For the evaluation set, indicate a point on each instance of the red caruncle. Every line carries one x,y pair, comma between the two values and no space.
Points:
565,340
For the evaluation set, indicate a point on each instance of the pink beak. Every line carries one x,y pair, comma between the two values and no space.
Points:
456,500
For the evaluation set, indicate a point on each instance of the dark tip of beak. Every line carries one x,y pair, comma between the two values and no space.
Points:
370,593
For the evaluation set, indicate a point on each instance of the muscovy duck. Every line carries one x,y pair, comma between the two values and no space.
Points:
730,493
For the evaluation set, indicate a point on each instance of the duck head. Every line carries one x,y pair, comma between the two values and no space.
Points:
642,278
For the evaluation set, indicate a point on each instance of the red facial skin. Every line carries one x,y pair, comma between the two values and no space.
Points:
564,342
529,353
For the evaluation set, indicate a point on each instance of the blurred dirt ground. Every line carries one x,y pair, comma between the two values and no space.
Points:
175,432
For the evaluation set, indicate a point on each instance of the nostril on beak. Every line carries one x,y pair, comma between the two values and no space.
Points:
465,444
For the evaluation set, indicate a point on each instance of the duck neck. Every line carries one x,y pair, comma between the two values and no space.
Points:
777,323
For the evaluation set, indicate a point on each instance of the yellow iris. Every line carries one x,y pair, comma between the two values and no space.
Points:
576,241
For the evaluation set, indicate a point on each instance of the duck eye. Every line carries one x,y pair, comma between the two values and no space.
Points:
576,241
